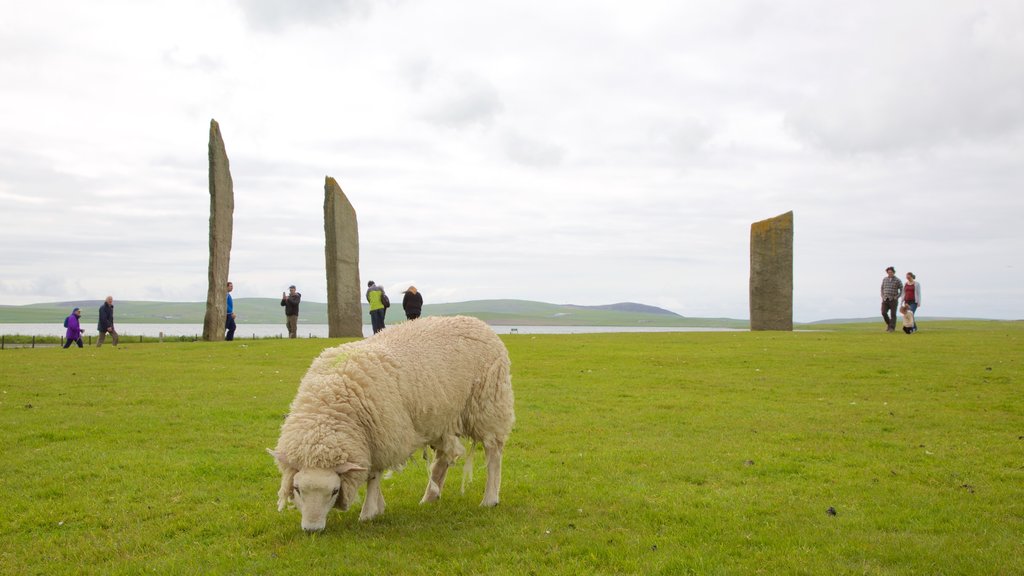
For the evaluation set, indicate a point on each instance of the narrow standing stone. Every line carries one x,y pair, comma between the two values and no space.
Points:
341,231
771,273
222,207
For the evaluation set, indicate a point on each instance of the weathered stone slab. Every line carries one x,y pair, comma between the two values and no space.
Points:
222,208
341,230
771,273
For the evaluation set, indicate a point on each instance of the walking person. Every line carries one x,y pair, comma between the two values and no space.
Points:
75,330
892,288
912,295
290,302
106,323
412,303
229,322
378,305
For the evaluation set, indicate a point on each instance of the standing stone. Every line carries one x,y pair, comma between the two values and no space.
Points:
222,207
771,273
344,303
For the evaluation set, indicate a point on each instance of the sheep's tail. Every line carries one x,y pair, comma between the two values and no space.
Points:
467,467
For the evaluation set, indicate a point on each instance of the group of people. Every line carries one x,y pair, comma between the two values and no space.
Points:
412,304
893,290
73,324
290,301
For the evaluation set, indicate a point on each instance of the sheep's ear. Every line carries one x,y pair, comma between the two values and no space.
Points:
287,484
281,458
349,467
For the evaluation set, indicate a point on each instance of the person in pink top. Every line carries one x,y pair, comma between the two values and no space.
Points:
912,295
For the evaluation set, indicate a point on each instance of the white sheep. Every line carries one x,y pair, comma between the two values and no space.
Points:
365,407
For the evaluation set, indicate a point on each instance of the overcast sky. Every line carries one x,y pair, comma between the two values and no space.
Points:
583,152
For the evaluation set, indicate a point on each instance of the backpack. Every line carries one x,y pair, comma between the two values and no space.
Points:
65,321
385,301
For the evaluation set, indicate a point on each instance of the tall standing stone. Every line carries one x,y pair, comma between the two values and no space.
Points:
222,207
771,273
344,308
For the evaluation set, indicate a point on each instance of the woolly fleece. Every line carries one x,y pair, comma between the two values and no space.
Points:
373,403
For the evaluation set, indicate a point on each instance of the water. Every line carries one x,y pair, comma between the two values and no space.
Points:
246,331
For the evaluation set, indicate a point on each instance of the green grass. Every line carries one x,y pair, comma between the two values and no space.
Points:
680,453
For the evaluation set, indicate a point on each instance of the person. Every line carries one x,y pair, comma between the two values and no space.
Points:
412,303
291,310
106,323
912,295
75,330
229,323
891,290
376,297
909,326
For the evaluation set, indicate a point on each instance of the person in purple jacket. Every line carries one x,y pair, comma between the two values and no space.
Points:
75,330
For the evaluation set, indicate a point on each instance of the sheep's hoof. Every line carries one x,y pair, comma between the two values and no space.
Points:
432,494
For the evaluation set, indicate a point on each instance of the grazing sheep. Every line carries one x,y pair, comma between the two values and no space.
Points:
365,407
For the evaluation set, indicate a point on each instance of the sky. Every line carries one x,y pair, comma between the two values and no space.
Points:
573,152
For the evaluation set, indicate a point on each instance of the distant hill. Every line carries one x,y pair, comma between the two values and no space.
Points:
631,307
269,311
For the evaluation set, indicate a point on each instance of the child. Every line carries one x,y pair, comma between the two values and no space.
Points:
908,319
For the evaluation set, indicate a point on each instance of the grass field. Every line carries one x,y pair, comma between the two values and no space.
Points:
836,452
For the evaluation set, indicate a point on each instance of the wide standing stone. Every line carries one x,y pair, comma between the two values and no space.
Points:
344,308
222,207
771,273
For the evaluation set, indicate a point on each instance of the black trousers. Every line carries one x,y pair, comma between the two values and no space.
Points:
889,313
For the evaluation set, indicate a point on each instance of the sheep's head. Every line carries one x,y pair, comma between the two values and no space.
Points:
314,491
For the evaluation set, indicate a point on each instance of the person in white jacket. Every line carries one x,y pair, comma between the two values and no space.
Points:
912,296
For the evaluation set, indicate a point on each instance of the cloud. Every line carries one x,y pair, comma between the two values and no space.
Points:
931,74
530,151
177,58
276,17
459,100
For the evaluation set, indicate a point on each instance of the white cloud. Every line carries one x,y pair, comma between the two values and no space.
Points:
272,16
911,86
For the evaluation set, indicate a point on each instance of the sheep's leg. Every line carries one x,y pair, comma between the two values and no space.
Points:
373,505
493,451
448,450
435,482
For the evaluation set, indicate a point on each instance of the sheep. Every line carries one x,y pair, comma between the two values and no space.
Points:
365,407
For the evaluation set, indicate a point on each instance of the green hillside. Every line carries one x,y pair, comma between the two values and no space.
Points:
269,311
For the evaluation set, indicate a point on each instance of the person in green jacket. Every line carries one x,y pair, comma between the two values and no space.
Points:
378,305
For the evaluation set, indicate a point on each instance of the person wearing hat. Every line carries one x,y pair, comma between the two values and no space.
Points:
290,302
378,305
892,289
75,330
